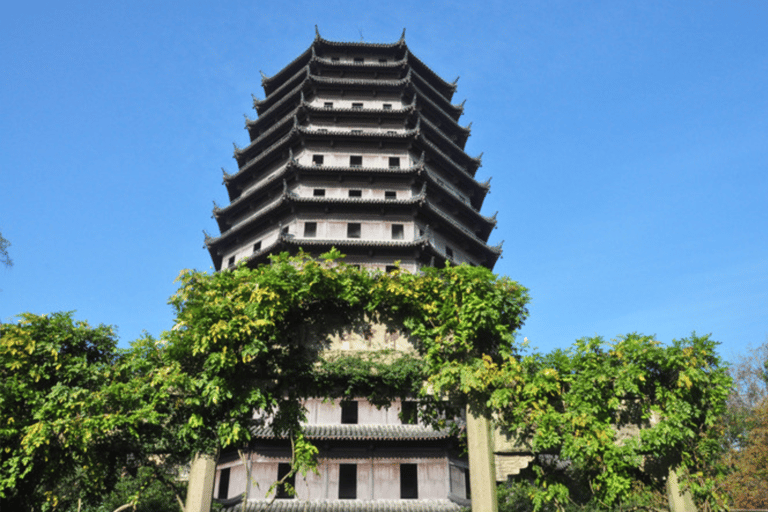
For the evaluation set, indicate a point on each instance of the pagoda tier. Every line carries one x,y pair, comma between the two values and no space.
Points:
356,146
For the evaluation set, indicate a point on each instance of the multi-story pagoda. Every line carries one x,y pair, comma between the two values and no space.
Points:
356,146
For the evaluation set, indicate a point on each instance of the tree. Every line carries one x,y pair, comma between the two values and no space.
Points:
606,420
748,481
78,414
5,259
746,428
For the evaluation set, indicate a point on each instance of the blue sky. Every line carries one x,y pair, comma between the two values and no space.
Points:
627,141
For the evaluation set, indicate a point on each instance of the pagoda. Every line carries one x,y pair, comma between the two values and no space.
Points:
355,146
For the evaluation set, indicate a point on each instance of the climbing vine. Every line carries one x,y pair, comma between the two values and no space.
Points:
251,339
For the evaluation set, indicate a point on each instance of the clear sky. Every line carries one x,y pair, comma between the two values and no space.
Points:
627,141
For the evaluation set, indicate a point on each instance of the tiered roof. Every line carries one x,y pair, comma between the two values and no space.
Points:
261,191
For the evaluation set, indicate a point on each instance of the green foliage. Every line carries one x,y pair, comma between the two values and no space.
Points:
150,494
380,376
77,412
584,407
249,339
519,496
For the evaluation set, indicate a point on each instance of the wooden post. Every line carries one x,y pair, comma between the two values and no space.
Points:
482,471
202,475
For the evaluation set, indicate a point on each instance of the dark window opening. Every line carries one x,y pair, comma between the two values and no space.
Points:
391,132
359,60
357,105
310,229
409,414
257,246
231,261
394,162
409,482
285,490
353,230
349,412
357,132
355,193
390,268
328,104
317,159
284,230
390,194
322,130
356,161
449,251
387,106
335,59
318,192
466,484
347,481
382,61
223,484
398,231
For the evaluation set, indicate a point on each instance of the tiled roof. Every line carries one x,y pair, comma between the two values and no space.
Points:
422,96
359,432
347,506
371,64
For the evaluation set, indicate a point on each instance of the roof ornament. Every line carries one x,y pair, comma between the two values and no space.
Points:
256,101
402,36
479,158
423,192
317,34
208,238
498,247
237,150
487,183
264,77
461,105
225,173
469,126
493,217
455,81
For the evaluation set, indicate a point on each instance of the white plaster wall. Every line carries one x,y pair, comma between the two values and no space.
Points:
377,479
339,156
386,480
320,412
433,479
245,249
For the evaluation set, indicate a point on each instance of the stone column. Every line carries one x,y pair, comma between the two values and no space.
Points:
482,474
678,501
202,475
